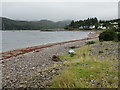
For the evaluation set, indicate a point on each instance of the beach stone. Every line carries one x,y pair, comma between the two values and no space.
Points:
27,65
73,47
55,58
33,68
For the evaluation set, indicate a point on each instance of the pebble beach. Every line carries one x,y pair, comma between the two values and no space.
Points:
34,67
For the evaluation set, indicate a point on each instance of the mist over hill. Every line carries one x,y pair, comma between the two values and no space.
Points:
9,24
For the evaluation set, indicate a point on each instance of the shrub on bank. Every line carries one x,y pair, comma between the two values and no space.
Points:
90,42
118,36
108,35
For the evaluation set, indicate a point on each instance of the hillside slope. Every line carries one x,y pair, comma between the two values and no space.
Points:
9,24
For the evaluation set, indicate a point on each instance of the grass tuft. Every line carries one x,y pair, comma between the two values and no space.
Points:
90,42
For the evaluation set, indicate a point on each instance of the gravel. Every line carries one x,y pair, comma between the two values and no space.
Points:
25,70
106,50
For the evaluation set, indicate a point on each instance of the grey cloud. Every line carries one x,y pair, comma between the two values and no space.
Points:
59,10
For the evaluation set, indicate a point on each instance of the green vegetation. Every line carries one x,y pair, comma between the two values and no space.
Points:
9,24
90,42
118,36
59,29
86,71
93,24
47,25
83,24
113,34
109,35
101,52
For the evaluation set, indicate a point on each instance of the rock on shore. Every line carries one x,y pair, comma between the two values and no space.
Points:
34,69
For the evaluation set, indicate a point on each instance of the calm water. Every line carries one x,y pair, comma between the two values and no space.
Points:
21,39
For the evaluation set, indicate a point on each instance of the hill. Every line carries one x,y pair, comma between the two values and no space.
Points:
93,24
9,24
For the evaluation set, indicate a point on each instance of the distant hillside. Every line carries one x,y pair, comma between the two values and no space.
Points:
9,24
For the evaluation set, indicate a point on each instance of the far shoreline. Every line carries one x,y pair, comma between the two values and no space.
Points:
55,30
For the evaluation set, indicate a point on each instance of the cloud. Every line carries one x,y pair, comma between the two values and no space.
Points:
59,10
59,0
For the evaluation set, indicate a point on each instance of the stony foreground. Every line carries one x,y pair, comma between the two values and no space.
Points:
92,66
107,50
34,69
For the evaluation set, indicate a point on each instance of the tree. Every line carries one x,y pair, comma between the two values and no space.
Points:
72,23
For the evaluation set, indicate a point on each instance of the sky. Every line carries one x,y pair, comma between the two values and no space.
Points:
59,10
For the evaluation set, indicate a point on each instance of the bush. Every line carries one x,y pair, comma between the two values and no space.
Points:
90,42
108,35
100,52
118,36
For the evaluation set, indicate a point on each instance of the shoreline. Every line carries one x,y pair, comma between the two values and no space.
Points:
12,53
20,66
55,30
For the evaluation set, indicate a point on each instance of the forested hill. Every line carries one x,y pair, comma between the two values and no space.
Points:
9,24
93,24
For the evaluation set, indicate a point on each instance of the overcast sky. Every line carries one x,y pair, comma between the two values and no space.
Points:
57,11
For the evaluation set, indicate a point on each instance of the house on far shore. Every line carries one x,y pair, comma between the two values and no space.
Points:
81,27
92,27
115,26
114,23
85,27
101,27
104,28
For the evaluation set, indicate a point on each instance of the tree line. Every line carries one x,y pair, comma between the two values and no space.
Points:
93,23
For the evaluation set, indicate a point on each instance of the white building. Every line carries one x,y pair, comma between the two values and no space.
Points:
81,27
92,27
104,28
101,27
115,26
114,23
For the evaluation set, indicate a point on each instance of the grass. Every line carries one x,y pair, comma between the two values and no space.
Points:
85,71
90,42
101,52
